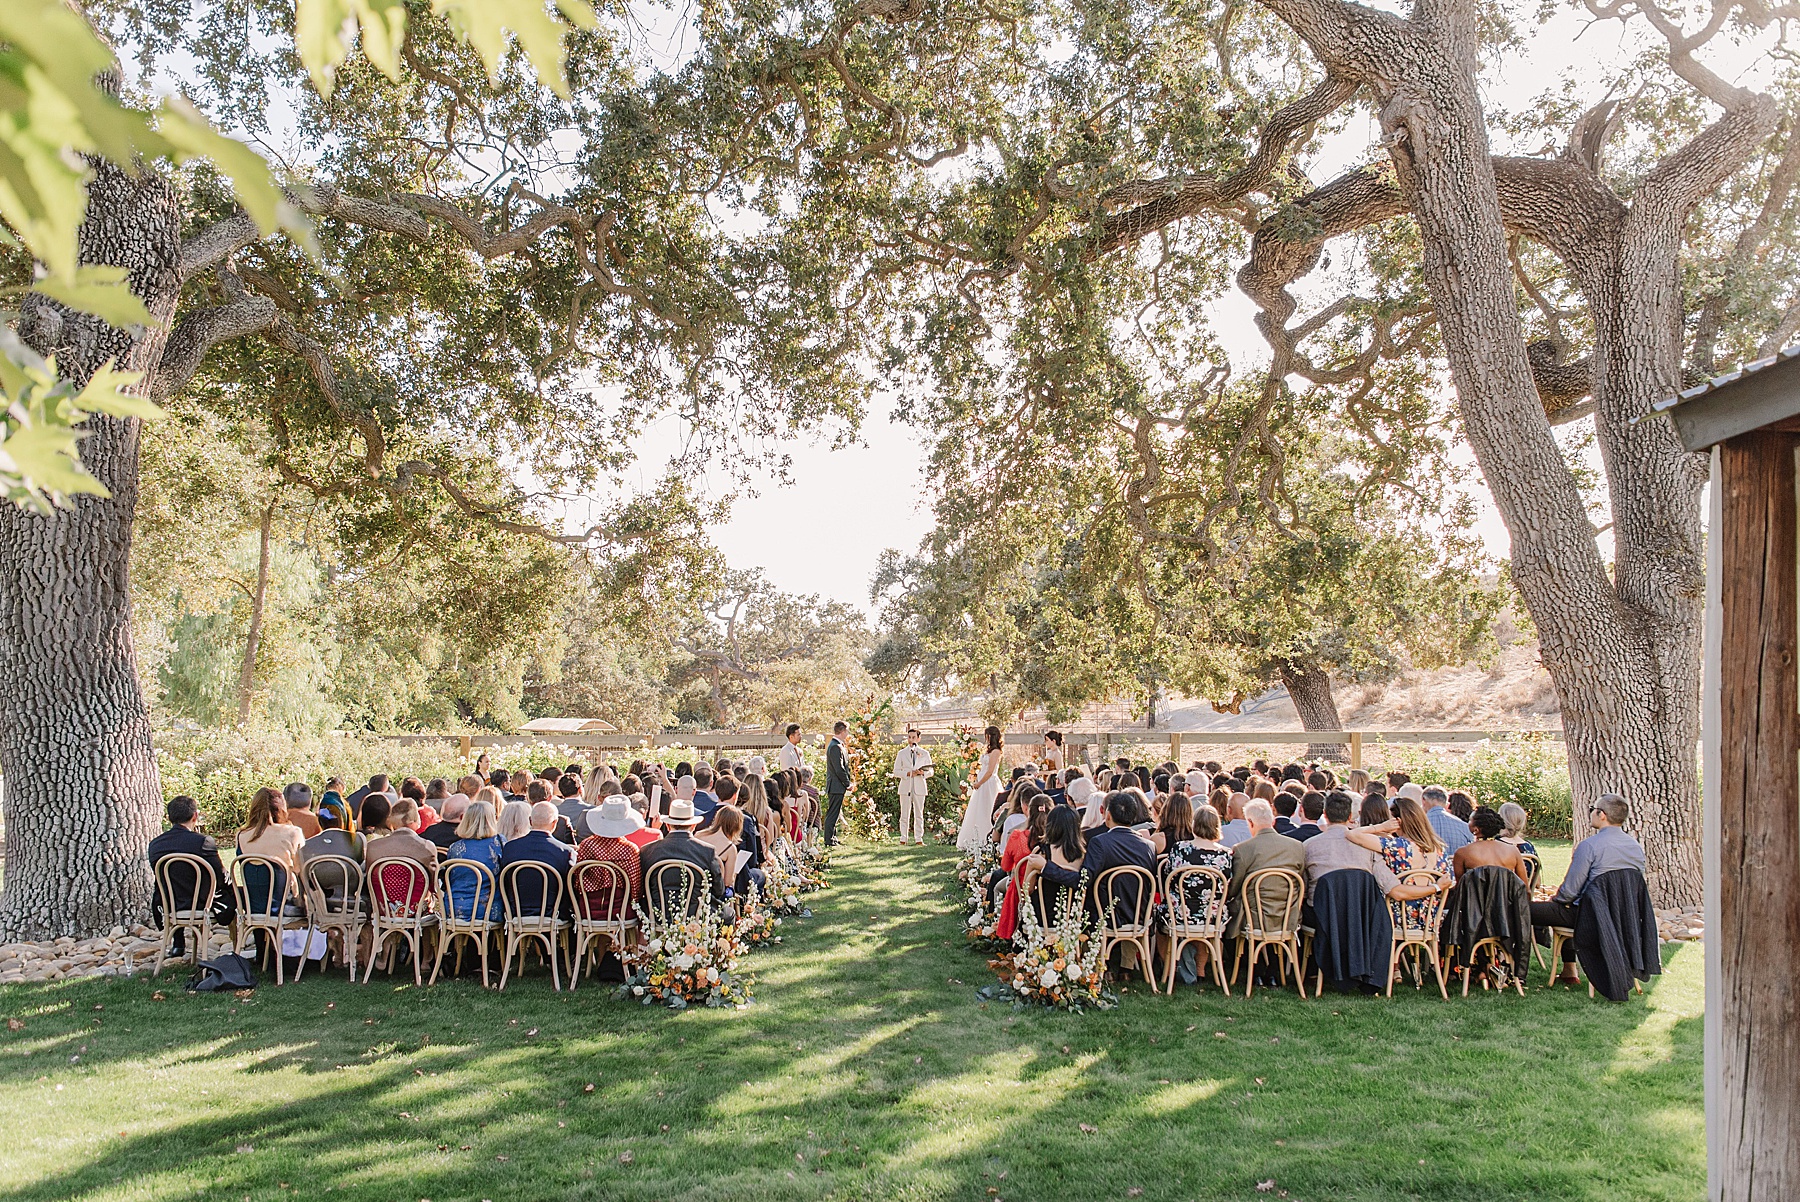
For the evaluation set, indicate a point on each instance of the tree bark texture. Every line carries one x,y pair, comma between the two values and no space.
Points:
82,792
1623,649
1309,688
246,690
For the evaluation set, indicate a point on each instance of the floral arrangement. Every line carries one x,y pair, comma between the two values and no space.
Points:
946,828
781,886
812,863
1059,965
972,871
756,924
691,961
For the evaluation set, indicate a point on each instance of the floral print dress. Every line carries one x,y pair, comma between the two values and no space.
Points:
1188,853
1398,852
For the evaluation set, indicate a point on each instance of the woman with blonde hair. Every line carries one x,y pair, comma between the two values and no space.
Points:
515,820
477,839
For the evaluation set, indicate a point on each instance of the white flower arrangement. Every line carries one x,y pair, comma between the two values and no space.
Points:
1059,965
690,961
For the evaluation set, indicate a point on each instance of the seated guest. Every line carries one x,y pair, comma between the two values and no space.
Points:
469,786
1608,849
1013,852
722,835
1489,849
444,832
679,845
1333,850
1117,844
266,835
537,792
477,839
610,826
431,810
1460,804
372,817
569,803
647,833
1514,816
1312,816
517,784
501,782
401,841
515,819
1263,849
1286,803
298,798
182,838
378,785
333,806
537,846
1237,827
1407,843
1189,837
704,799
331,840
1451,830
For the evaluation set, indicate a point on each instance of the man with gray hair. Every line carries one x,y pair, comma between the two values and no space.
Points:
1265,848
536,846
1452,830
1608,849
299,800
442,833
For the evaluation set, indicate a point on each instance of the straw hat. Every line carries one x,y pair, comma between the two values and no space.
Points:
681,813
614,819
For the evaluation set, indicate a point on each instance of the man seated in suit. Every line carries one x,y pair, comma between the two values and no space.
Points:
570,806
1312,816
679,845
442,833
1263,849
181,837
705,800
1286,802
1115,845
536,846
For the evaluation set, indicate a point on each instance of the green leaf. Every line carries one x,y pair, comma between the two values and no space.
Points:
100,290
485,23
192,136
105,393
322,31
43,456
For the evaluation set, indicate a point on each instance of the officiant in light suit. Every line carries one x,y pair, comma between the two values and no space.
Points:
913,767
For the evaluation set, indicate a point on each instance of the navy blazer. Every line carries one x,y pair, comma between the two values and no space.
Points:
1111,848
179,839
539,847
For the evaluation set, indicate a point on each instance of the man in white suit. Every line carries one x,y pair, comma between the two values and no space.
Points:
913,767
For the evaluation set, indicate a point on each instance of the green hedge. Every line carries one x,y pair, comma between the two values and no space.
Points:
1530,771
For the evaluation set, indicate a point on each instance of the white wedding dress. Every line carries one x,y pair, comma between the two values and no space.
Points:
978,819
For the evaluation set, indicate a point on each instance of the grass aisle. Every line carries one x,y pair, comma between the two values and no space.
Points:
867,1069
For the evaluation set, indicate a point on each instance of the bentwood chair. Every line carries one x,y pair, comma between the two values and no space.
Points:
1271,900
185,885
399,904
261,885
539,922
673,890
474,880
1416,932
1534,868
601,893
334,900
1126,896
1203,924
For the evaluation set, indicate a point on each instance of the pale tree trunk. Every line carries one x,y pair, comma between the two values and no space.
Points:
1309,688
246,689
82,793
1625,658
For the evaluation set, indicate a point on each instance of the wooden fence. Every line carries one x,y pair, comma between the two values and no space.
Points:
1077,741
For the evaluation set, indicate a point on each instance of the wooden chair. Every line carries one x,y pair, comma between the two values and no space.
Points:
479,926
400,895
1276,893
669,888
601,892
1494,948
334,900
1534,868
1205,926
1416,932
261,887
526,927
186,908
1125,922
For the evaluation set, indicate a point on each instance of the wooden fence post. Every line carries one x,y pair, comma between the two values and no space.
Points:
464,745
1356,749
1175,749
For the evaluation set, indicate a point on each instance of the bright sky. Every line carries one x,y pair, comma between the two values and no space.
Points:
825,532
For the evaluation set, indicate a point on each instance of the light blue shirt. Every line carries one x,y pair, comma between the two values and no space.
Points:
1453,831
1234,832
1606,850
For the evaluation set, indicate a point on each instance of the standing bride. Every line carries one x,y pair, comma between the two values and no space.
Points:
978,819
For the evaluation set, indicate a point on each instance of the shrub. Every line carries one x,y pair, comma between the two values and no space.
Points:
1534,772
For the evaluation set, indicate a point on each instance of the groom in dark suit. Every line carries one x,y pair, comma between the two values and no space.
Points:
837,779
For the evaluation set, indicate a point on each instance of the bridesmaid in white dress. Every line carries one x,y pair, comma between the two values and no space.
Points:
978,819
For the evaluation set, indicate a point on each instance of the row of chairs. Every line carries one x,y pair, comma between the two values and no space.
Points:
1273,897
460,901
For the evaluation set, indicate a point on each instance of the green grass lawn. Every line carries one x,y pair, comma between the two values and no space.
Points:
866,1069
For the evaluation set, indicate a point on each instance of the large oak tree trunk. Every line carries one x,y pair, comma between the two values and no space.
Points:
82,792
1310,690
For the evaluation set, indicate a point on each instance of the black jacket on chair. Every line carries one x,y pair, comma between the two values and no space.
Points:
1353,933
1489,902
1615,933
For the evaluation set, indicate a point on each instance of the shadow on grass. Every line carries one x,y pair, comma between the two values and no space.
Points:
862,1072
